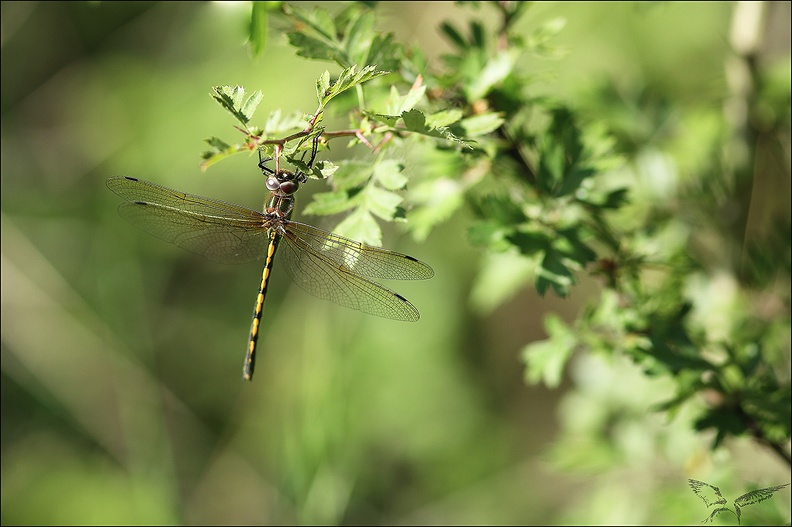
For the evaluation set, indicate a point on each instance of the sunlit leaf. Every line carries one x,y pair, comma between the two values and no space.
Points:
381,202
326,203
361,226
347,79
388,173
546,359
497,69
483,124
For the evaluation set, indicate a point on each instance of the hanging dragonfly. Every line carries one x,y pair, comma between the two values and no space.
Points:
324,264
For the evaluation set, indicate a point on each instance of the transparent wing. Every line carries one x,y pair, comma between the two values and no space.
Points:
709,494
223,232
758,496
357,257
326,278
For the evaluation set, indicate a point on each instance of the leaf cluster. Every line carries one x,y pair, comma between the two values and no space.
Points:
545,181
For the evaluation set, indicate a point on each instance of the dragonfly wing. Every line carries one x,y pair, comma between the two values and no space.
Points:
223,232
324,278
360,258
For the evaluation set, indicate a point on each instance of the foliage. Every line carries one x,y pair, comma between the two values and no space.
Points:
548,181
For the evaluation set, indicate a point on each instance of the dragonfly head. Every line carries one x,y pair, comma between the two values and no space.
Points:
284,183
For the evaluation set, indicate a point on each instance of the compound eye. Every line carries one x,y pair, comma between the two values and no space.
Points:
289,187
272,184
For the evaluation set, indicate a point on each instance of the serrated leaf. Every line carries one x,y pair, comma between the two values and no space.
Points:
388,173
322,85
497,68
319,20
569,244
278,124
324,169
360,226
385,52
231,98
352,175
250,105
387,120
327,203
313,48
546,359
555,273
500,208
415,121
529,243
483,124
410,99
443,118
358,37
219,151
381,202
349,78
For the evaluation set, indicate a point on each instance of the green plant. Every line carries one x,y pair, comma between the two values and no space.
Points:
573,190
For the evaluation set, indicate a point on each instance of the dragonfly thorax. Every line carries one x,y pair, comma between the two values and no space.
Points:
280,206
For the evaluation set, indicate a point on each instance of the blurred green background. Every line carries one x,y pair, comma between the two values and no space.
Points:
122,399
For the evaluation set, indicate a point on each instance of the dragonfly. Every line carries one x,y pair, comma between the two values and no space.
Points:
322,263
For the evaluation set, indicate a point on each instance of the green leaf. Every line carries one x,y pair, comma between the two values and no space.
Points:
349,78
322,85
415,121
502,276
361,226
615,199
388,120
314,48
477,34
529,242
454,36
278,124
496,70
500,208
388,173
539,39
257,38
483,124
381,202
318,20
249,107
569,244
546,359
385,52
437,200
554,273
352,175
398,104
443,118
327,203
219,151
358,38
232,99
324,169
489,234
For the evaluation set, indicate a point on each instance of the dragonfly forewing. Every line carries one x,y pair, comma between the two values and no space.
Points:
359,258
220,231
327,279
